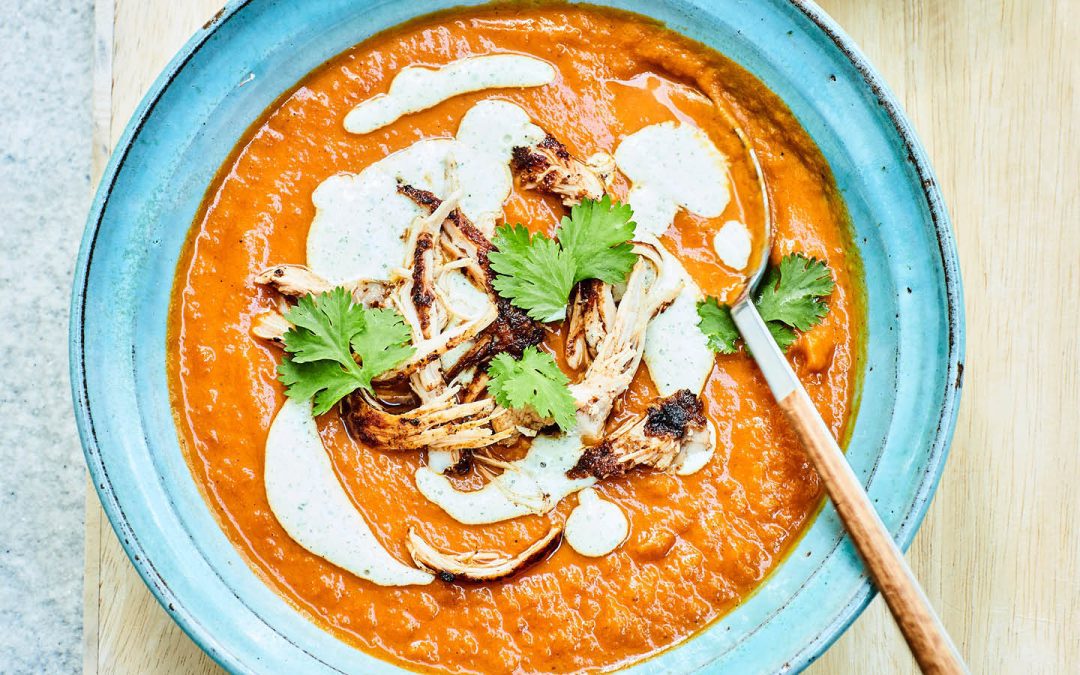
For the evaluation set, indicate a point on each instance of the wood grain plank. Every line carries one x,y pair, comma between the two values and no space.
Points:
991,87
101,146
91,581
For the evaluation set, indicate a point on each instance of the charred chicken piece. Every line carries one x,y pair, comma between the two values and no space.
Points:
293,281
547,166
440,424
619,352
512,330
415,296
270,325
523,421
657,439
591,313
428,351
478,566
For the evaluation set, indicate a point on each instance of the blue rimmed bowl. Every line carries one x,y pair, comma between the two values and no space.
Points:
197,110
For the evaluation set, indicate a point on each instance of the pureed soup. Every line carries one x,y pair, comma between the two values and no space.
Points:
461,508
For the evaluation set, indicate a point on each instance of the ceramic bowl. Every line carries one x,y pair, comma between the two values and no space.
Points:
239,63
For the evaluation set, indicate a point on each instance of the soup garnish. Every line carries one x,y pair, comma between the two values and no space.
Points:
791,298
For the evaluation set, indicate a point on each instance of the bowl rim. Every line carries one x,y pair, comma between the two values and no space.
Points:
938,448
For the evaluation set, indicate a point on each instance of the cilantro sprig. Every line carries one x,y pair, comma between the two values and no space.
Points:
329,333
537,273
790,299
533,381
718,326
533,273
597,237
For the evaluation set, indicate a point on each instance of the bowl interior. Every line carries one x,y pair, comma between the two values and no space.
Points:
240,63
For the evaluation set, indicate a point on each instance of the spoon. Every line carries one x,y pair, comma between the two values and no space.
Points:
920,625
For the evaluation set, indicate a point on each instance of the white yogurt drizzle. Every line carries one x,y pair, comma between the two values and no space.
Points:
672,166
675,166
732,244
360,218
676,352
596,526
534,484
417,88
308,500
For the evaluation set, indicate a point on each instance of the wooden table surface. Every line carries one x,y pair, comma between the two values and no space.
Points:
992,87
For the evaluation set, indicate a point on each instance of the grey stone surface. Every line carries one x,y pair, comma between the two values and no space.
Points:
45,126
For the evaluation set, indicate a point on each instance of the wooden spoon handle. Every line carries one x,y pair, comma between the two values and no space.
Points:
922,629
929,643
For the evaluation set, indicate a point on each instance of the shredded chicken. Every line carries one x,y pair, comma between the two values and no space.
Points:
618,354
440,424
603,165
591,312
293,281
478,566
427,379
270,325
421,248
668,430
427,351
415,296
512,330
547,166
449,416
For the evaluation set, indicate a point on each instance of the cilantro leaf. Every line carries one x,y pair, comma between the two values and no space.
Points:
597,236
304,380
790,299
327,328
324,327
534,273
784,336
792,292
537,273
325,381
383,344
534,381
718,326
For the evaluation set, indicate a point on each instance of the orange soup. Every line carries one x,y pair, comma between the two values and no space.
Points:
697,542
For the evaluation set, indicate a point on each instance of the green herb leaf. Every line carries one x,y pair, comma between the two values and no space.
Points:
327,328
534,273
537,273
718,326
383,344
792,292
784,336
596,235
324,326
534,381
324,381
307,380
790,298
